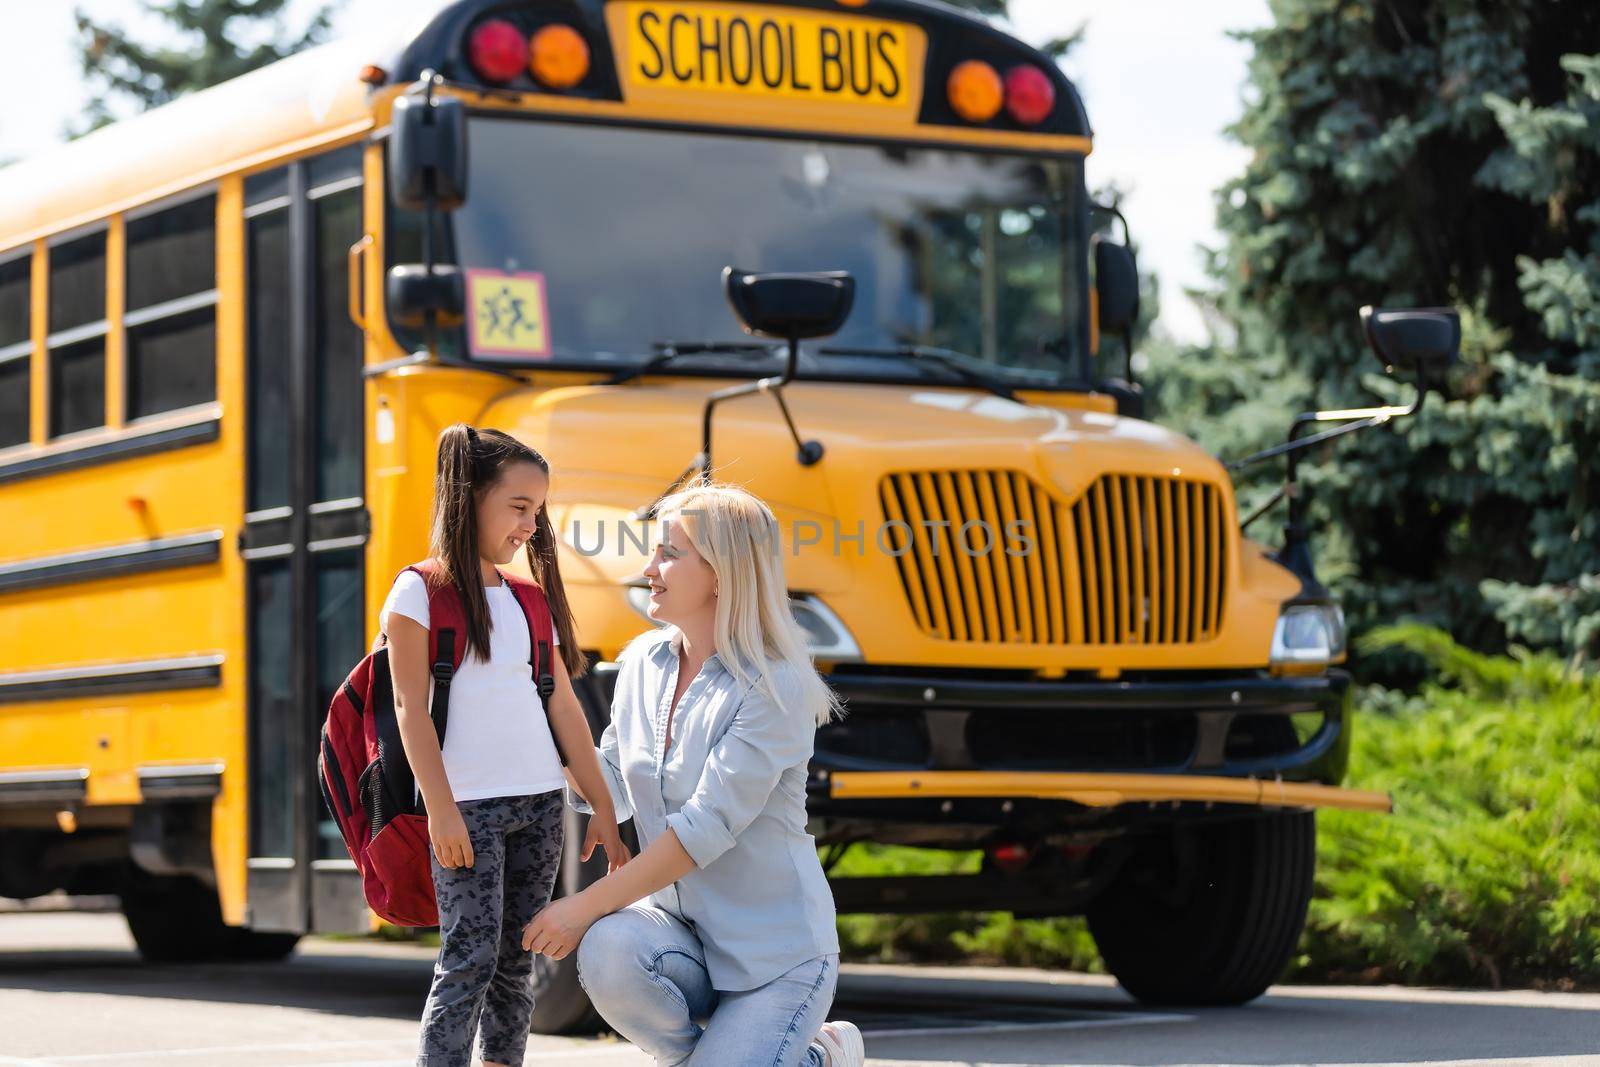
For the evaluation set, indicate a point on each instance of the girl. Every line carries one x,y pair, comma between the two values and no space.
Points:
711,730
493,796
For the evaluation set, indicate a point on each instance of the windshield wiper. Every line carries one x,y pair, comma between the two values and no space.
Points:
667,351
951,360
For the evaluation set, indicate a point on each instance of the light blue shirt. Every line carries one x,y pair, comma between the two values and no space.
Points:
733,788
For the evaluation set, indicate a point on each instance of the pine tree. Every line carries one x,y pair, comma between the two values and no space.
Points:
1552,161
217,40
1429,152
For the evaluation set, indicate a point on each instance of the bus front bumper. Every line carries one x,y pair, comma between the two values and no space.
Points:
1102,790
911,744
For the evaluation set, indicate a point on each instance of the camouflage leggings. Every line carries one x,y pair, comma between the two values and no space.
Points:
483,970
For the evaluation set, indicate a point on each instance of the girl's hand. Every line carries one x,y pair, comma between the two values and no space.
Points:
448,832
557,929
603,832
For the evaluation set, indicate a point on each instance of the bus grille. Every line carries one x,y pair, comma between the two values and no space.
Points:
1135,560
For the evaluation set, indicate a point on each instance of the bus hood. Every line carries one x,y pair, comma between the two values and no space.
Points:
614,449
649,432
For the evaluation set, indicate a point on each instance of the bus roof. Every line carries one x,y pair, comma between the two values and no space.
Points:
316,97
309,98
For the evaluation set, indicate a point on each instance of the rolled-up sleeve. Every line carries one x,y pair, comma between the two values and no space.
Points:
762,741
611,771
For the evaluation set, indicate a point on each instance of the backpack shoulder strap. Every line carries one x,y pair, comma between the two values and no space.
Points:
541,641
447,627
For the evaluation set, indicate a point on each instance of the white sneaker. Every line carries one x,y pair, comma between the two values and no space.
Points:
842,1042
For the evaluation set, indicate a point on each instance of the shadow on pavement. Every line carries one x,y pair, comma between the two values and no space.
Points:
382,986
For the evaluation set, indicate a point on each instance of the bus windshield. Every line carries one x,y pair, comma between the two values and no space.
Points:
595,246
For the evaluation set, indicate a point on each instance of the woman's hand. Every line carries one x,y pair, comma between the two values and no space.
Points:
557,929
448,832
603,832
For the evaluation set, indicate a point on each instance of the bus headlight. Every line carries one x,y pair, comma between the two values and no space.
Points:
1307,635
826,634
827,637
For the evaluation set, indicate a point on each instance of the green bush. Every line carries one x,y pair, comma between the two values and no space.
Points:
1488,872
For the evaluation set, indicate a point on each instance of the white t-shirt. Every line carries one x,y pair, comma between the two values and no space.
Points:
497,741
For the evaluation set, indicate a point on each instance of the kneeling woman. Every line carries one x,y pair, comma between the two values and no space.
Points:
711,730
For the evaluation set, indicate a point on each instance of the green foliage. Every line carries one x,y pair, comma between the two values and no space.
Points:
1425,153
216,40
1486,874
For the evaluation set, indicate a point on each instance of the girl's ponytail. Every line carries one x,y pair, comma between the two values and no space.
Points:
543,561
453,537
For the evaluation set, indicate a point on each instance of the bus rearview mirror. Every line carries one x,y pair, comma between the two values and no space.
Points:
1116,286
415,293
428,153
1425,340
791,307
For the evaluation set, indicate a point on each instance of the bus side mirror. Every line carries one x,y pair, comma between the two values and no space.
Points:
793,307
1423,340
428,153
1116,286
417,294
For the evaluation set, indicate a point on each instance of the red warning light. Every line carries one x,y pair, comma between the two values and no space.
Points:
498,51
1030,97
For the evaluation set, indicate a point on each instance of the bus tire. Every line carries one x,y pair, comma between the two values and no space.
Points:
258,946
560,1006
179,920
1210,915
175,920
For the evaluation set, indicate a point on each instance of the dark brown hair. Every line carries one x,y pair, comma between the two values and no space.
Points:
472,461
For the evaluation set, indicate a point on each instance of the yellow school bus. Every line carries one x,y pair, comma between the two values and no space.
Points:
232,328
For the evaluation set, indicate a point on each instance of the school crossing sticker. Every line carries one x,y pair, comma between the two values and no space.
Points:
510,317
769,54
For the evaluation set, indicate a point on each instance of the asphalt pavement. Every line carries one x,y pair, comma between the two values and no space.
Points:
74,994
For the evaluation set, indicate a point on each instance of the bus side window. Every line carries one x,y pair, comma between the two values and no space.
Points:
333,189
16,349
270,455
171,317
77,338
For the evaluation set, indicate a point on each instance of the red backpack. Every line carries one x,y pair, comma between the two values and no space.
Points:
366,780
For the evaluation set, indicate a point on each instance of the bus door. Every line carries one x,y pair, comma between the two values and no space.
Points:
305,527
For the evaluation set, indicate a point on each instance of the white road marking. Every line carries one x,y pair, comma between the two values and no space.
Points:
1533,1061
406,1059
994,1028
555,1056
1585,1060
213,1050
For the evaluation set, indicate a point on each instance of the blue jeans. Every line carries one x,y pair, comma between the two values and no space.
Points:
645,972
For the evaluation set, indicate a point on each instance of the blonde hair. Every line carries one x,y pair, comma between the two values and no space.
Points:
758,639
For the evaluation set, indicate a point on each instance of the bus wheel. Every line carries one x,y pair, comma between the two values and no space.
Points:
560,1006
1211,914
178,920
174,920
260,947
